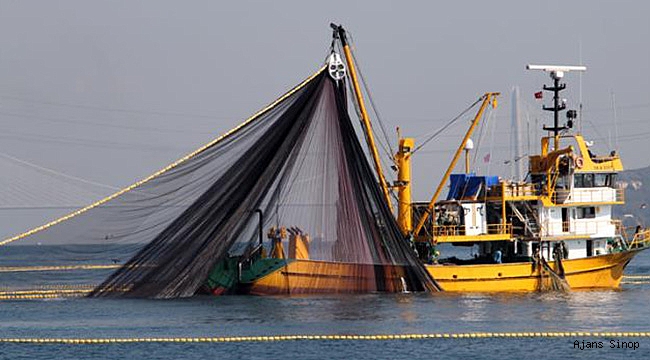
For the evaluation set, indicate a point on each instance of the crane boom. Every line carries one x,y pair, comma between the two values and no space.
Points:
487,99
365,119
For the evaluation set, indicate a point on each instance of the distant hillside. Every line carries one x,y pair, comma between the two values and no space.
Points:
637,196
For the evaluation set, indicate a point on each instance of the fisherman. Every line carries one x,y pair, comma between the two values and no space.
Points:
432,255
560,251
496,256
565,250
411,241
536,257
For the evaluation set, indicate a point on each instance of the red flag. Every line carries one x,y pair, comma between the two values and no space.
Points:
539,95
486,159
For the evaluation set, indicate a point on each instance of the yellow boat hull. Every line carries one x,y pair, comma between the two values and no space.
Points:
603,271
311,277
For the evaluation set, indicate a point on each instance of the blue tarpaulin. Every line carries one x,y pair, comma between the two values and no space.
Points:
468,186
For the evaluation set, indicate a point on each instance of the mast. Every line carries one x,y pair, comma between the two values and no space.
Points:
557,73
403,161
340,33
516,165
556,108
487,98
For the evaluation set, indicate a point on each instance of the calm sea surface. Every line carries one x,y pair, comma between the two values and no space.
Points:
624,310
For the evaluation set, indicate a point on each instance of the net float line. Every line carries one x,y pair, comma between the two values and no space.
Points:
278,338
10,269
635,277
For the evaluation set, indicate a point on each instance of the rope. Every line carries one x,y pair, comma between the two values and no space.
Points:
164,170
107,109
8,269
53,286
390,150
387,151
52,291
640,277
381,337
491,128
43,294
57,173
451,122
485,129
477,144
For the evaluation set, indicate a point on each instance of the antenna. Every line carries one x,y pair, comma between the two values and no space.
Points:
615,121
557,73
516,168
580,88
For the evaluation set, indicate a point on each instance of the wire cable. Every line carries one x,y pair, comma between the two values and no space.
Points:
371,100
165,169
446,126
57,173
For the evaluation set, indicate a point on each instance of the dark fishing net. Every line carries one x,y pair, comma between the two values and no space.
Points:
299,164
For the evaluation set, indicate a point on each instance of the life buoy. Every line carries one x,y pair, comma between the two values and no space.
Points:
580,162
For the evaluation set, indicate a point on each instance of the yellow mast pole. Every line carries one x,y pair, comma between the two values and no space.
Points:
365,119
403,161
504,223
487,97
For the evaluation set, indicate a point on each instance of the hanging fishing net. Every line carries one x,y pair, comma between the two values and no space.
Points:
284,203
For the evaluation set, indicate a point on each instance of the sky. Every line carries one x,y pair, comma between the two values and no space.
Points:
107,92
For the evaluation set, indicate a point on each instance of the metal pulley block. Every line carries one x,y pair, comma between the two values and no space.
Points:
335,66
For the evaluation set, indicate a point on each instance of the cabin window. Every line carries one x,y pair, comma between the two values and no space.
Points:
588,212
600,180
594,180
611,180
584,180
578,180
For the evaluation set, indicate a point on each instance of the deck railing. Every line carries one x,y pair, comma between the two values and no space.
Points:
579,227
514,190
589,195
640,239
459,230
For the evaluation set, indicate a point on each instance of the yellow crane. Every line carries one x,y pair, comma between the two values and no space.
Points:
403,156
488,98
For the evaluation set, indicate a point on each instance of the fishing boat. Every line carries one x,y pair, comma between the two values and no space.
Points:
554,230
290,202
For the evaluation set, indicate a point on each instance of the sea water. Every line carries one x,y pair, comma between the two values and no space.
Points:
622,310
